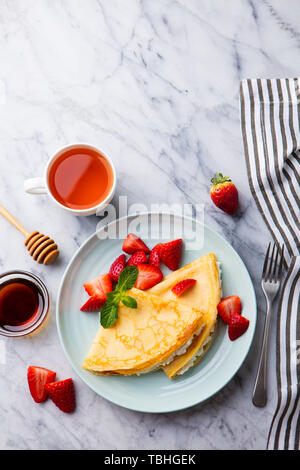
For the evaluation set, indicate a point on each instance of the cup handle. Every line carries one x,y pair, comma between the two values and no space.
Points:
35,186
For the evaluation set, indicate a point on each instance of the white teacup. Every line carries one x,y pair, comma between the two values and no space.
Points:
40,185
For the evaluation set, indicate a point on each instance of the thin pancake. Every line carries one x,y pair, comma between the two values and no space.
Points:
143,337
194,351
205,295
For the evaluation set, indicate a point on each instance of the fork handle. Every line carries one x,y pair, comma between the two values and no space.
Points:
259,397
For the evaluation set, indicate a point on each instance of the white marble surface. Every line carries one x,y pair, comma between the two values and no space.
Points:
155,84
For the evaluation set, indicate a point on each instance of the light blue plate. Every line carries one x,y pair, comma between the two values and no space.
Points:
154,392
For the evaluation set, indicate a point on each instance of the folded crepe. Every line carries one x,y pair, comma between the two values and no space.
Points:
144,338
205,296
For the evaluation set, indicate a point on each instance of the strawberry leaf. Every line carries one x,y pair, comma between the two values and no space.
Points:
219,179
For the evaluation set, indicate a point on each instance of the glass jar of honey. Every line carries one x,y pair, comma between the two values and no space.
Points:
24,303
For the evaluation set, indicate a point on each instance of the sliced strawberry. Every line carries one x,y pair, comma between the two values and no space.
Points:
37,378
94,304
133,244
170,253
139,257
62,394
99,287
148,276
154,258
228,306
182,286
237,326
117,267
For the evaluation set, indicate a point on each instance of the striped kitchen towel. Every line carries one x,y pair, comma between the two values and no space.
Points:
270,121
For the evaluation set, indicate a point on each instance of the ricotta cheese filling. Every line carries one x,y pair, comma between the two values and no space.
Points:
178,352
198,354
183,348
201,351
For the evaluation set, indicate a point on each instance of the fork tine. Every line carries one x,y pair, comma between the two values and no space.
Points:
275,267
271,264
266,262
281,263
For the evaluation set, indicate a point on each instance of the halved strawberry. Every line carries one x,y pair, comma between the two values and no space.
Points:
117,267
62,394
154,258
94,304
237,326
182,286
99,286
133,244
148,276
139,257
37,378
170,253
228,306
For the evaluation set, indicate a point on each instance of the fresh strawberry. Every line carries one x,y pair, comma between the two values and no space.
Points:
170,253
148,276
99,287
224,194
154,258
117,267
237,326
37,378
62,394
133,244
182,286
229,306
139,257
94,304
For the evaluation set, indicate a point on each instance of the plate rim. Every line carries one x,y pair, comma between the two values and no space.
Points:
74,367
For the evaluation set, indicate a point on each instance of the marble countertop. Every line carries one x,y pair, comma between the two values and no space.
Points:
155,84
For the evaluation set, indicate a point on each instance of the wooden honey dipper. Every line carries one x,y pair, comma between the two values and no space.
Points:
42,248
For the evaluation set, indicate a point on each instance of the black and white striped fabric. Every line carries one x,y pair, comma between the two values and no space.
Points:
270,121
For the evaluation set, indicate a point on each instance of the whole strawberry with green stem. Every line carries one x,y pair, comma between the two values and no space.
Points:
224,194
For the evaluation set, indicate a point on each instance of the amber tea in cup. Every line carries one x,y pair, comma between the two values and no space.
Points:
80,178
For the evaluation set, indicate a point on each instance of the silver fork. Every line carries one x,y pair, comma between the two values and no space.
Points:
270,283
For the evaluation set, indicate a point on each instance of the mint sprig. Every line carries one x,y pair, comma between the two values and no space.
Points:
109,312
129,301
127,278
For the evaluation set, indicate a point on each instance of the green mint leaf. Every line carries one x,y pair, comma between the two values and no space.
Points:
127,278
114,297
129,301
109,314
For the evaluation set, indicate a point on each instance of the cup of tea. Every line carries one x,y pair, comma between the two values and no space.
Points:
79,178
